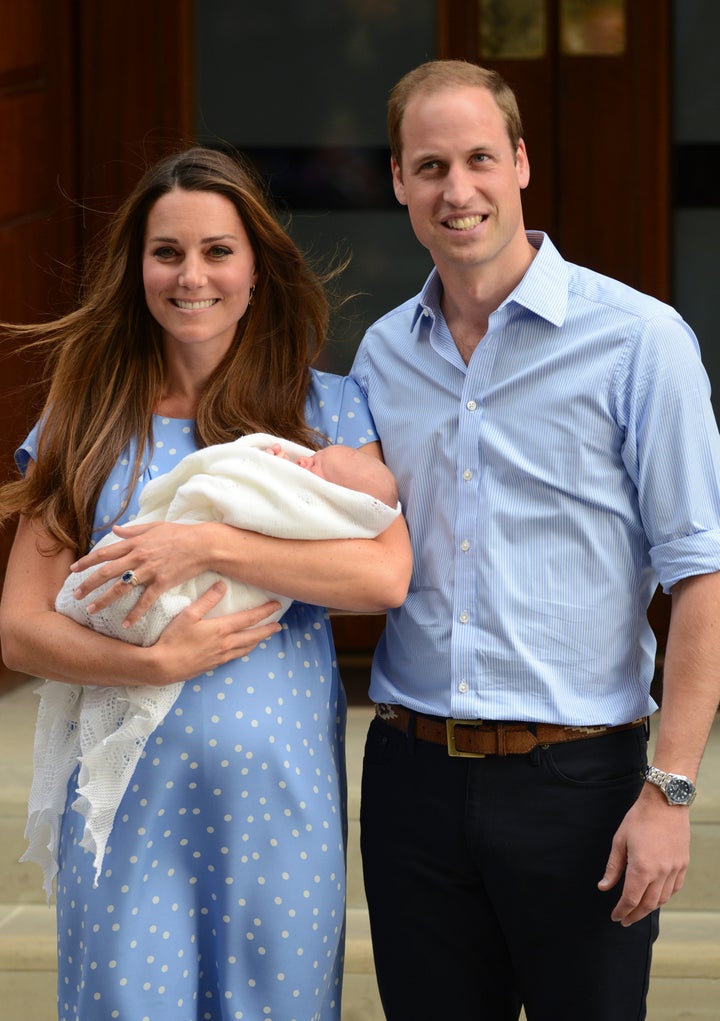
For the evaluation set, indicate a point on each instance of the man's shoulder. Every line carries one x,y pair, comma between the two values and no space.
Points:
392,332
588,284
592,286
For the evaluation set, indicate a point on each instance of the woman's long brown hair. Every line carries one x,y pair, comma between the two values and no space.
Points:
105,358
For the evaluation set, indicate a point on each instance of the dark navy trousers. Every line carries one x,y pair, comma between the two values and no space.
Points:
481,878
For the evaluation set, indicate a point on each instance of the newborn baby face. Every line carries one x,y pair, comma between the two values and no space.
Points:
347,467
335,464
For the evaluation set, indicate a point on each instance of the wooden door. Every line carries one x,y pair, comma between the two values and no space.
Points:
37,234
38,237
89,93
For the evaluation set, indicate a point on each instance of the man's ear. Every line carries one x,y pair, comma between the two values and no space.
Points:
522,165
398,185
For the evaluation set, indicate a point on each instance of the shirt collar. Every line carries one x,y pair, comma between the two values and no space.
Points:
543,290
429,298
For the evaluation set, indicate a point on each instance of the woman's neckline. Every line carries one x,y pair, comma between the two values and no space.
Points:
172,418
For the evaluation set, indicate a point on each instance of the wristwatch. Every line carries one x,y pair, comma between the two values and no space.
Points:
678,789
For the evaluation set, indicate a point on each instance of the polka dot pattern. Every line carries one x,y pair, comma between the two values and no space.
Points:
223,889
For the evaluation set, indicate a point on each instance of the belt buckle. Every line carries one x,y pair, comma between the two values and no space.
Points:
451,746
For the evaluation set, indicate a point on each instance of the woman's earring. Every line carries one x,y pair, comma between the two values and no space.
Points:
252,294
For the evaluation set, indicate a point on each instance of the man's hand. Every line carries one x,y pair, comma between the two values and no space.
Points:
652,848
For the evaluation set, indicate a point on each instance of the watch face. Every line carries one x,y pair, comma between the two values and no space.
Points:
679,790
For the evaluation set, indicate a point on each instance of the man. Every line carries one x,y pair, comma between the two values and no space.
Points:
557,456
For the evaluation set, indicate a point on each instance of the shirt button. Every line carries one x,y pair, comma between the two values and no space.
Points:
464,545
426,313
467,474
462,686
471,405
464,618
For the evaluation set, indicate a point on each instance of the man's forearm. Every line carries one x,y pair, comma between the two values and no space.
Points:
691,680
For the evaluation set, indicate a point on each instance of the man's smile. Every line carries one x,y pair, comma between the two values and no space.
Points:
465,222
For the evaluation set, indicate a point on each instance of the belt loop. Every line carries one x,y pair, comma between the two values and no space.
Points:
412,721
500,731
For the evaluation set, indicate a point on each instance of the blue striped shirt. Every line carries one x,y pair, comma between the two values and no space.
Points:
549,486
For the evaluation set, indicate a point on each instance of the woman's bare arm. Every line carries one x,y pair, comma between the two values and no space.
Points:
39,641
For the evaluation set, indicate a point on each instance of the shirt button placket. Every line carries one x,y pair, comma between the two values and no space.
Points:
469,477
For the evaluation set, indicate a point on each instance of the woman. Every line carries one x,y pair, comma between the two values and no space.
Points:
222,890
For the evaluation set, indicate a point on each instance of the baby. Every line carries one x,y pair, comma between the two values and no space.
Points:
335,492
349,467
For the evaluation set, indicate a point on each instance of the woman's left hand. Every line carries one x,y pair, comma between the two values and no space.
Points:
161,555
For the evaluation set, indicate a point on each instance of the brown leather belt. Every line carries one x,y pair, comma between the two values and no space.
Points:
478,738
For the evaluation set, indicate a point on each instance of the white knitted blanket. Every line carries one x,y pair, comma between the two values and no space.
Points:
105,729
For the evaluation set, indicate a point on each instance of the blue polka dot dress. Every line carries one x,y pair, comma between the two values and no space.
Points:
222,894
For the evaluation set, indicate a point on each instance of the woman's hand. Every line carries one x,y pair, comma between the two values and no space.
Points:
193,643
161,555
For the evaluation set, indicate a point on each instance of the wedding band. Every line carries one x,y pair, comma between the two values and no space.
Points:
129,578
